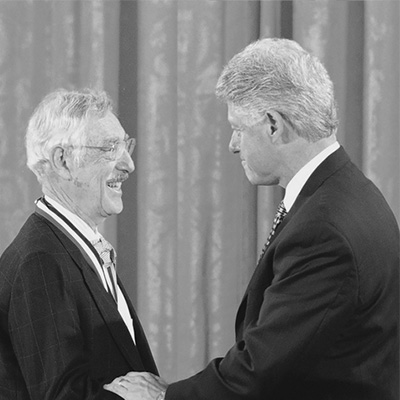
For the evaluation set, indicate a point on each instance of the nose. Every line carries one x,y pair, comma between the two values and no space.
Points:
125,162
234,144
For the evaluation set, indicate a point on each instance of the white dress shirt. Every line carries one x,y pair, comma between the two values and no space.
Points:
298,181
92,236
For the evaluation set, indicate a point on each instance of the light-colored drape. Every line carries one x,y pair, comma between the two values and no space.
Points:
192,226
200,224
45,45
196,210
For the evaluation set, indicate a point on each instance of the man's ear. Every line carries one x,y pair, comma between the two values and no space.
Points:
276,125
59,163
275,121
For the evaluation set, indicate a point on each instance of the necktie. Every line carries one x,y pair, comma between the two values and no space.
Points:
108,257
280,214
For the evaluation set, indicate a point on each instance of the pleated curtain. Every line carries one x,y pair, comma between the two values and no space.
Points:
192,225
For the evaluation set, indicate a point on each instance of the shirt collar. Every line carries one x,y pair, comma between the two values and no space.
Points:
79,223
298,181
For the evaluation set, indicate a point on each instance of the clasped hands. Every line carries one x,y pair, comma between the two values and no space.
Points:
138,386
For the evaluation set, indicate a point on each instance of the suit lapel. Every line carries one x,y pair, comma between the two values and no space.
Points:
328,167
142,344
104,300
260,269
112,319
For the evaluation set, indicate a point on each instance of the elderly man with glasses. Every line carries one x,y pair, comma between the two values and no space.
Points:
67,325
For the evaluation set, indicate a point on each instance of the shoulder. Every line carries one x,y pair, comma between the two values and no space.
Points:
35,247
35,234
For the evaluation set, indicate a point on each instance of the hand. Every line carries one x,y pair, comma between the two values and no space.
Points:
138,386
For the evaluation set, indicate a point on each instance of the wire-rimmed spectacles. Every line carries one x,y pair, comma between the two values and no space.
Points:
115,150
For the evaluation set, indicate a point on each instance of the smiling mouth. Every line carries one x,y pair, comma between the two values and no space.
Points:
116,184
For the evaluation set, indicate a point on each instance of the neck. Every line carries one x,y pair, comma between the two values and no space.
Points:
299,153
61,197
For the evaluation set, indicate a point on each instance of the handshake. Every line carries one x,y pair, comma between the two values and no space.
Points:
138,386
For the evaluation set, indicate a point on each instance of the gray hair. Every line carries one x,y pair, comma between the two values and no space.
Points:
278,74
63,118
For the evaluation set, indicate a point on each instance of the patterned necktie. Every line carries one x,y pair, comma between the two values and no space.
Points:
108,257
280,214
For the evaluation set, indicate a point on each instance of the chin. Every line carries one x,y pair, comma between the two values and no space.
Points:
113,208
252,178
258,180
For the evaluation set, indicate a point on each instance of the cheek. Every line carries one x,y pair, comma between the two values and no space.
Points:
251,149
84,182
257,157
90,185
90,180
99,175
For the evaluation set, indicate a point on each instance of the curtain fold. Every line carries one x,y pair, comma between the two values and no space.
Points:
195,207
193,226
201,225
381,138
46,45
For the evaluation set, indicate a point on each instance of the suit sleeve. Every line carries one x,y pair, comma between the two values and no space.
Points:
296,318
45,332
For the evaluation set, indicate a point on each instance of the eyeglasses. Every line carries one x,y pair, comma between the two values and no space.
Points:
116,149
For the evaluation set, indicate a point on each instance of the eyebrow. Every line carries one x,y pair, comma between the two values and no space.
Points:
116,139
234,124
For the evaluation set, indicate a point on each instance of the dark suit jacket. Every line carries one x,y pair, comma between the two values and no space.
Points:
61,335
319,319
